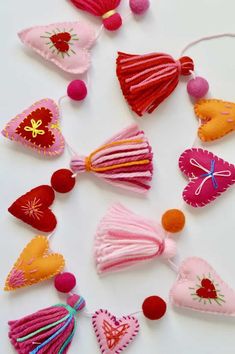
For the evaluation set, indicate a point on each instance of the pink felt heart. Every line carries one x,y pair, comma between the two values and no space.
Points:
209,176
65,44
198,287
38,128
113,334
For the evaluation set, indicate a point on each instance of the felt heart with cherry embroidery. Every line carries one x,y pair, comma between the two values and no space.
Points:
34,265
33,208
66,44
113,334
198,287
38,128
209,176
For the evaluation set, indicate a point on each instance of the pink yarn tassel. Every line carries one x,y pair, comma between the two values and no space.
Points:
124,161
47,331
124,239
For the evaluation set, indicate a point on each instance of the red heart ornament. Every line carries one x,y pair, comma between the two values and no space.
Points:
38,128
207,291
209,176
33,208
61,41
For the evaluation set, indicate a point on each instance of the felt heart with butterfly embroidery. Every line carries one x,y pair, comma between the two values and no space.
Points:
34,265
113,334
38,128
209,176
33,208
65,44
217,116
198,287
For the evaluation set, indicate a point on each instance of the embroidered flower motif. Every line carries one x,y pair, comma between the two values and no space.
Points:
207,291
114,335
32,208
33,128
61,42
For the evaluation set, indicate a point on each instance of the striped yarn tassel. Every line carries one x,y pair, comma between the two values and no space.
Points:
48,331
147,80
106,9
124,161
124,239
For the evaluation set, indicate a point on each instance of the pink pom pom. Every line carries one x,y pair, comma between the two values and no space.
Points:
198,87
139,7
113,22
77,90
65,282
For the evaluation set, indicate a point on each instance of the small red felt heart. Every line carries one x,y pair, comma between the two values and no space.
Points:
33,208
61,41
207,291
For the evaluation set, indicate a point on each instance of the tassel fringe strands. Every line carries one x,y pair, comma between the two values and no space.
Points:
125,161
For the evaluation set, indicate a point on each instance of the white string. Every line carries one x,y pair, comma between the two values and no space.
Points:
206,38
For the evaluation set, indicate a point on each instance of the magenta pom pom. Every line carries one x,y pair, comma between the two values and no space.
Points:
113,22
65,282
198,87
139,7
77,90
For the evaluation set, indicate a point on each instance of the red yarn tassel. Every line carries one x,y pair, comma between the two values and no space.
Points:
147,80
102,8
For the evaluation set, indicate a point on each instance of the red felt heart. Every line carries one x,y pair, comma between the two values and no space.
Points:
33,208
207,290
34,128
61,41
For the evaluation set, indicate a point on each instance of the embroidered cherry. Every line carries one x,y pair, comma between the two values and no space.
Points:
207,290
61,41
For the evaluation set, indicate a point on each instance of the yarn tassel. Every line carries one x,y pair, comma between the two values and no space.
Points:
147,80
125,161
124,239
47,331
102,8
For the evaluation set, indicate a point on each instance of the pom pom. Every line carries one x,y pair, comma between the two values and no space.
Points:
65,282
139,7
104,9
173,220
113,22
77,90
154,307
198,87
124,239
63,181
147,80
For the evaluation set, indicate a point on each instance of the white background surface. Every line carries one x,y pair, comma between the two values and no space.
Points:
25,78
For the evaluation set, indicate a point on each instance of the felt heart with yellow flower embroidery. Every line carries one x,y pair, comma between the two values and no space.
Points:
35,264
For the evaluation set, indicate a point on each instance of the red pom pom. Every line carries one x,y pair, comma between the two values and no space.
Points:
154,307
113,22
65,282
63,181
77,90
187,65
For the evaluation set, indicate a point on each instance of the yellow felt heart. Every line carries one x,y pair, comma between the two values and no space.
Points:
218,118
34,265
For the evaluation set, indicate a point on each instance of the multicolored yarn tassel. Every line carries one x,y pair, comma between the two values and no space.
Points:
47,331
124,239
102,8
125,161
147,80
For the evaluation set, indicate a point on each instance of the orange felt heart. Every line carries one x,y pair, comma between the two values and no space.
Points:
34,265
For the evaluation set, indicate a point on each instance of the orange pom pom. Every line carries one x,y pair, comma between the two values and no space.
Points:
173,220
